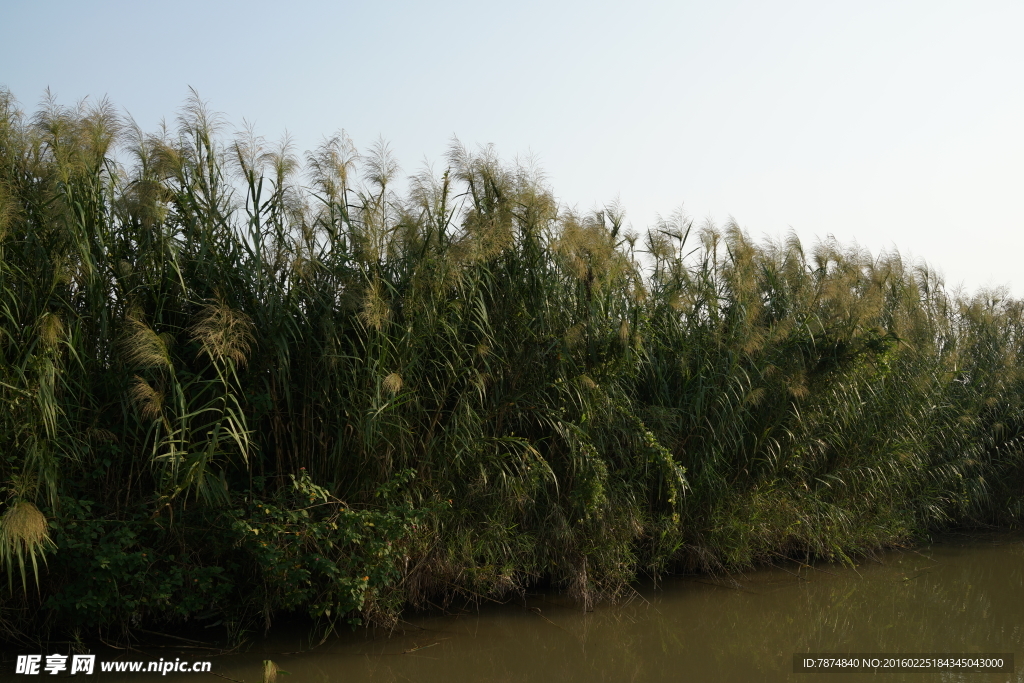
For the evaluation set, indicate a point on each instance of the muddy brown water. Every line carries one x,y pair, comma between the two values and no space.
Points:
963,594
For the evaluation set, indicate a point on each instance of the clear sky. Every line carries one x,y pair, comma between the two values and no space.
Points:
890,123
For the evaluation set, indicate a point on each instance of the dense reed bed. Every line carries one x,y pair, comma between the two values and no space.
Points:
237,384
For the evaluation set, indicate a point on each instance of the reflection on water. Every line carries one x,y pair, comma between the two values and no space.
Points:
964,594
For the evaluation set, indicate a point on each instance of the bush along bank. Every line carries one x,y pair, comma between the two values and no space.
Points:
236,385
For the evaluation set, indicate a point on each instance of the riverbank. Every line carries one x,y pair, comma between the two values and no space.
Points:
956,594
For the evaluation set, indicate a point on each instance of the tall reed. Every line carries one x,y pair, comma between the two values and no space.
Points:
237,383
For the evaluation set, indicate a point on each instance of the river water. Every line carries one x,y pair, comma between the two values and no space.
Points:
961,594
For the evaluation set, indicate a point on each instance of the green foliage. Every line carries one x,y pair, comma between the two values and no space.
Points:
123,571
235,390
315,553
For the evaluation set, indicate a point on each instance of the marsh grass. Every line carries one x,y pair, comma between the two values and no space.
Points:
258,385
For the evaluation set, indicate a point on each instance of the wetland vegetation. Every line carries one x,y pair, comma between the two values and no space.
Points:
237,383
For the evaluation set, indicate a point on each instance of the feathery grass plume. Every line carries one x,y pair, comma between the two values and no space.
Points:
284,164
488,223
198,126
624,331
331,167
101,130
587,246
380,166
51,330
378,204
223,332
393,383
24,535
144,348
283,161
148,400
375,308
248,154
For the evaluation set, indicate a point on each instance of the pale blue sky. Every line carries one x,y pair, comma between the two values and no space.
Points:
889,123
